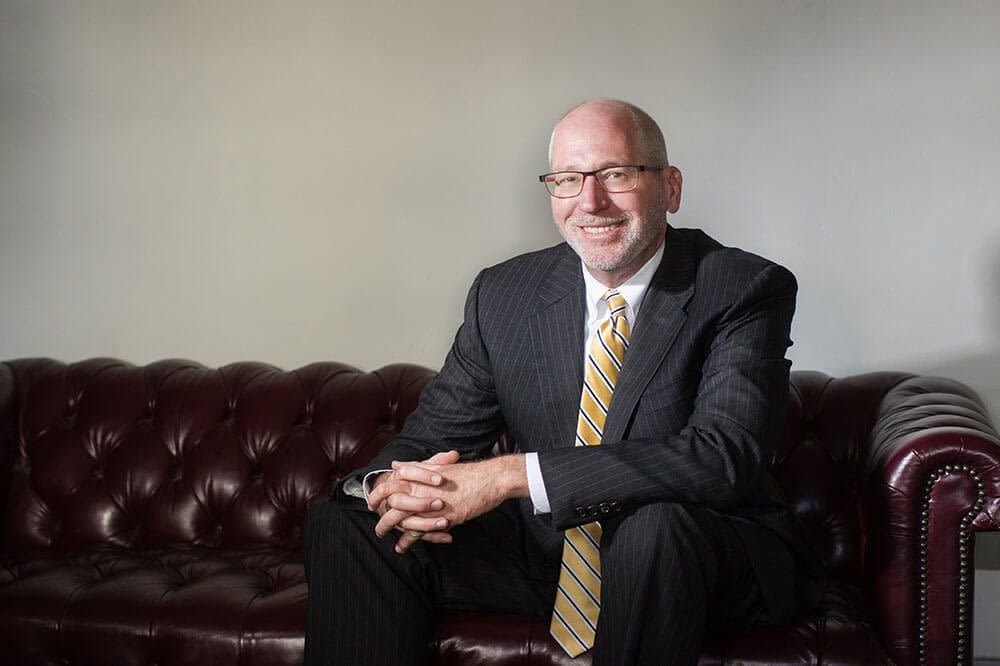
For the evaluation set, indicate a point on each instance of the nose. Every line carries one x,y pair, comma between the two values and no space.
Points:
593,198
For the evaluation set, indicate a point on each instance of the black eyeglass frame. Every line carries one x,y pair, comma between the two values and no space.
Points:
638,167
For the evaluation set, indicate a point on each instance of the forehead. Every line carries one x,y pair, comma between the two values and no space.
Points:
593,140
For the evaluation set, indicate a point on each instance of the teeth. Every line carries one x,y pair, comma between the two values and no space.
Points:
599,230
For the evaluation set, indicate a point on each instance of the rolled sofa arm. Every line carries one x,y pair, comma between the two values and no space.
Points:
932,479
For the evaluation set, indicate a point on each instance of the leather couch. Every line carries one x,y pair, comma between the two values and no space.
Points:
153,515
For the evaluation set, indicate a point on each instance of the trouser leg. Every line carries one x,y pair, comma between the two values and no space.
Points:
670,572
370,605
357,585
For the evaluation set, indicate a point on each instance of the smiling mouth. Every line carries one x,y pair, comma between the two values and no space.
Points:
597,230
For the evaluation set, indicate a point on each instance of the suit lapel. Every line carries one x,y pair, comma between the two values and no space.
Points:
556,329
660,319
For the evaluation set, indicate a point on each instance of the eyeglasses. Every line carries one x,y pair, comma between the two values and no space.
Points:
614,179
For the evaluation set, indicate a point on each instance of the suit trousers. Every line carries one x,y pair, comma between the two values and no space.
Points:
671,573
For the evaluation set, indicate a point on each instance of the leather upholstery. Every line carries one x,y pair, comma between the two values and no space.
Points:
154,514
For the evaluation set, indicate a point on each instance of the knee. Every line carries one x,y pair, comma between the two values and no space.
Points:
657,530
328,523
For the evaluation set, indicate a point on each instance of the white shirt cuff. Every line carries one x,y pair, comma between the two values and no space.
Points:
360,490
536,486
369,481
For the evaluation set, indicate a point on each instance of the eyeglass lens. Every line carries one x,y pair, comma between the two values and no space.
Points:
565,184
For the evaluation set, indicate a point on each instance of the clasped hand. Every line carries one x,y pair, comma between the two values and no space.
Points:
423,500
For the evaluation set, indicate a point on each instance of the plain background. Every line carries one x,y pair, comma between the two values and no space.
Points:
299,181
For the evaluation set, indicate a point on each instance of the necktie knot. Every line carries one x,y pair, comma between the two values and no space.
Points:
616,303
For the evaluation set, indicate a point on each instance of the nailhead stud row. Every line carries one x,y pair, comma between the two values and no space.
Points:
964,558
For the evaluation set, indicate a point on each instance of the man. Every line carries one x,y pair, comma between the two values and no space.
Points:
641,369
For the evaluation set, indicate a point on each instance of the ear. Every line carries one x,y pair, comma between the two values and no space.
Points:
673,180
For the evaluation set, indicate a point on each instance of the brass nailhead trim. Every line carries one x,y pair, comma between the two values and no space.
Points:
964,560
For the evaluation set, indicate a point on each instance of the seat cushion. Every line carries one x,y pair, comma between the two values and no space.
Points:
197,605
183,605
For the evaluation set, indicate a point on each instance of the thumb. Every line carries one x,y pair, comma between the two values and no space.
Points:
443,458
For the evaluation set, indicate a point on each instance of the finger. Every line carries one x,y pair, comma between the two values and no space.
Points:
443,458
417,473
437,537
382,491
388,521
415,504
423,523
407,539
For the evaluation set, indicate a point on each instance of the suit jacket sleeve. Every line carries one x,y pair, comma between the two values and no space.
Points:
458,409
719,458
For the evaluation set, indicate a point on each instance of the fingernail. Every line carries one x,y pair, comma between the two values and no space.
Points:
436,478
442,523
399,550
437,504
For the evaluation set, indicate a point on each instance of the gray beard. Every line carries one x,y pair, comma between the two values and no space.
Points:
634,242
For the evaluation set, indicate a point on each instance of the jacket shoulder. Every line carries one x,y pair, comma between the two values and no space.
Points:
717,263
720,276
523,273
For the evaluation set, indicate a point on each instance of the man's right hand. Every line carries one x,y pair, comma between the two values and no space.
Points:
404,508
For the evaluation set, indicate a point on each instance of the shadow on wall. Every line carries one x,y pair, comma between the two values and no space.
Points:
980,370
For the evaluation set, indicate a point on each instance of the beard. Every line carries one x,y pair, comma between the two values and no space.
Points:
639,235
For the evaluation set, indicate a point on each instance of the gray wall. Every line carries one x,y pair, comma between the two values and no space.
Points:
291,182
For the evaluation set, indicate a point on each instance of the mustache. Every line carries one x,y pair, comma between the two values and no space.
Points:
597,220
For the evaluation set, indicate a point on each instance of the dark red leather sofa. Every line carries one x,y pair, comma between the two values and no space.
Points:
153,515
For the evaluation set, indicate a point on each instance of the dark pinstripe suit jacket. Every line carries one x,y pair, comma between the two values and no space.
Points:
695,417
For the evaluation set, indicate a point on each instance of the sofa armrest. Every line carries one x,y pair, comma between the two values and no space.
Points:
932,479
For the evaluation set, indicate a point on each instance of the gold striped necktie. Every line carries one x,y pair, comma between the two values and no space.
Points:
578,598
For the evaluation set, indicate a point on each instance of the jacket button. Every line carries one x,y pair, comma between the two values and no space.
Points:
615,505
592,510
605,508
580,511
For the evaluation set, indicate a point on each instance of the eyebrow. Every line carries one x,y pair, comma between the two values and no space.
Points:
602,165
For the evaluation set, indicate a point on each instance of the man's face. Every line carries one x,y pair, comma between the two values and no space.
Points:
614,234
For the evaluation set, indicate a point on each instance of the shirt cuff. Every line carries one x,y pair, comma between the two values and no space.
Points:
536,485
361,490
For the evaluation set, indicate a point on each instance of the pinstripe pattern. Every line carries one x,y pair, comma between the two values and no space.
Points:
577,605
696,412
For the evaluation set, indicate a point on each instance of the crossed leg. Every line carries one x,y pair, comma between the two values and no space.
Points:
671,573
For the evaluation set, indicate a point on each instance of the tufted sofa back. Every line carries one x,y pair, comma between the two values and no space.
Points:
103,452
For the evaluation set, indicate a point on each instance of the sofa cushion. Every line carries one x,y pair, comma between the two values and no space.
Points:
185,604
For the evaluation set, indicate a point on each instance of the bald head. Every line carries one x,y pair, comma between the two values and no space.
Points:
643,132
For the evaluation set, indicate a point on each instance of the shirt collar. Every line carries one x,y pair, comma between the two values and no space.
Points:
633,290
